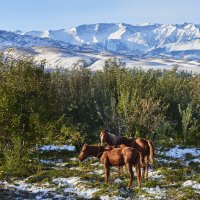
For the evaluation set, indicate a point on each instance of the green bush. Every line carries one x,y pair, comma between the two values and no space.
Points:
73,137
38,106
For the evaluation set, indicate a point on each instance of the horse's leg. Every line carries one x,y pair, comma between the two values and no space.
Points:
146,166
138,173
107,172
142,163
130,170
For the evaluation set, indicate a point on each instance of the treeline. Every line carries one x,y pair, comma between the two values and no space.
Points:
69,106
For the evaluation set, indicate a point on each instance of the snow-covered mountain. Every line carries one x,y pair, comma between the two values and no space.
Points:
149,40
20,40
96,42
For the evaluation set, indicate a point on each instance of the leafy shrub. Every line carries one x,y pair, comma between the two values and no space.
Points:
73,137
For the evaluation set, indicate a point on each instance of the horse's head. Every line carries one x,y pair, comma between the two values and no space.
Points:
103,136
84,153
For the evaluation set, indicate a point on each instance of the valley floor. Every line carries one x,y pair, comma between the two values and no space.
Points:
63,58
176,176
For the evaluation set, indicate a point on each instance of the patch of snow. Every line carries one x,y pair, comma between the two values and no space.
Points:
76,186
156,175
28,187
106,197
97,164
196,160
165,160
74,159
177,152
60,164
118,180
118,34
55,163
100,171
58,196
57,148
193,184
3,183
158,192
75,168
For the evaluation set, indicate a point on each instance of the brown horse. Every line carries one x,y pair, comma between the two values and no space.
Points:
110,156
145,147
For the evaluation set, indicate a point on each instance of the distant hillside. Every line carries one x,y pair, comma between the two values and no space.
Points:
152,41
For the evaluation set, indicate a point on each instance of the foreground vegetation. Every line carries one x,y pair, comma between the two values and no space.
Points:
39,107
62,176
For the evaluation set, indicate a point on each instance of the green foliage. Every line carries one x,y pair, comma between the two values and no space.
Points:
17,161
73,137
62,106
186,116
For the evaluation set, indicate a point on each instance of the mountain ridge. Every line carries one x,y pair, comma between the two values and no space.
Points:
180,41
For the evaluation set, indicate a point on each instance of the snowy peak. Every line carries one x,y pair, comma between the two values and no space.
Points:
149,40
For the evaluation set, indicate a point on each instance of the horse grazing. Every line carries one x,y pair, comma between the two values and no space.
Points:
145,147
110,156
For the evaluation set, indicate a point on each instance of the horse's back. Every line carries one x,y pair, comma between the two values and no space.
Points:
143,146
130,153
114,156
126,141
141,141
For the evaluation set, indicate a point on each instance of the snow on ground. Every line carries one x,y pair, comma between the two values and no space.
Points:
71,187
21,185
196,160
77,186
165,160
106,197
56,57
100,171
157,192
57,163
57,148
67,185
192,184
75,168
96,163
74,159
154,175
178,152
40,190
118,180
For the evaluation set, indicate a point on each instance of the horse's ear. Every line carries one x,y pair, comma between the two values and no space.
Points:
103,130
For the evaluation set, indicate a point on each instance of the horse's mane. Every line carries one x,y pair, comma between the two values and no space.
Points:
97,150
113,138
117,140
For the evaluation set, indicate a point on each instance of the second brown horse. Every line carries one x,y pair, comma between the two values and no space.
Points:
145,147
110,156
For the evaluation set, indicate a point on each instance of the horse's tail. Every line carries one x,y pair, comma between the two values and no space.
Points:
151,152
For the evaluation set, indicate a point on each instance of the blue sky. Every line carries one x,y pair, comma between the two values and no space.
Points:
56,14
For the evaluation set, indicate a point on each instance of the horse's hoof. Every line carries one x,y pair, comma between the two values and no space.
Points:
129,186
